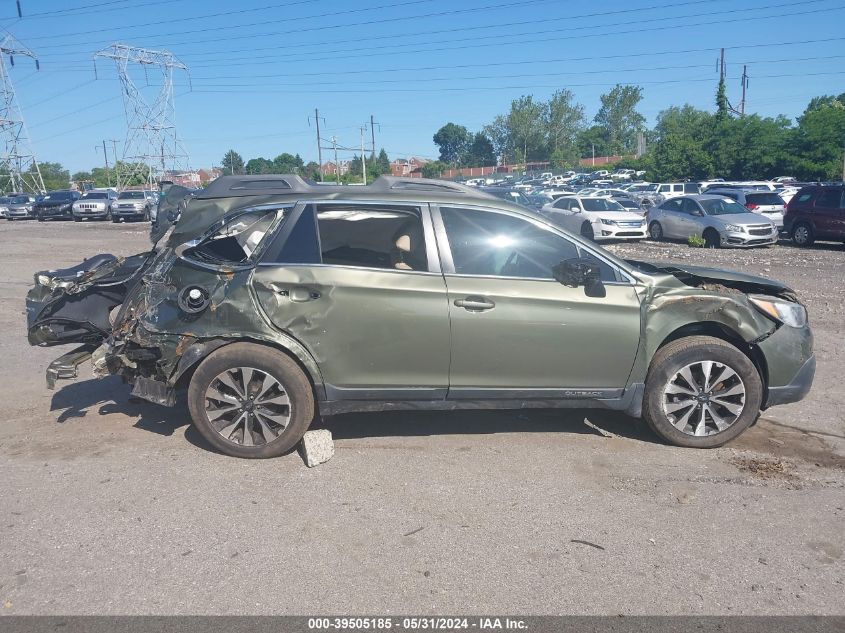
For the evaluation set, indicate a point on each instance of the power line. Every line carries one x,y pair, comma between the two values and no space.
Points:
498,37
500,87
181,34
62,13
533,40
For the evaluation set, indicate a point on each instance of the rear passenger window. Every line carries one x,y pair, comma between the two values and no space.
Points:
372,237
804,197
237,240
829,199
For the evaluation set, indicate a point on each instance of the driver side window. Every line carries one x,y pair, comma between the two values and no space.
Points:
499,245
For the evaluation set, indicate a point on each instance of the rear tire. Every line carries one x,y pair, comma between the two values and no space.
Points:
225,421
709,419
802,234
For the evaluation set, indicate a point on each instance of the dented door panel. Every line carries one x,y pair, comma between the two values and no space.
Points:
367,329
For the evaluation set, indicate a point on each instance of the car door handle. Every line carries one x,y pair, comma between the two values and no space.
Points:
475,304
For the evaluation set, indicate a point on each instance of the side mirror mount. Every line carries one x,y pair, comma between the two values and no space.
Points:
580,272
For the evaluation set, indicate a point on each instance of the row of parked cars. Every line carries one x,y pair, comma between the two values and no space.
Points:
722,214
102,204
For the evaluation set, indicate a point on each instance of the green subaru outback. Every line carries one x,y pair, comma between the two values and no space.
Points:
273,300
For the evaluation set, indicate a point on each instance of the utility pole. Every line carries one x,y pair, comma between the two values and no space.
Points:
744,87
722,66
116,167
106,160
373,125
363,156
336,164
319,145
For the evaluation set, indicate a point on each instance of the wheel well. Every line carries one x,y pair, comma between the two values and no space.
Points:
185,378
723,332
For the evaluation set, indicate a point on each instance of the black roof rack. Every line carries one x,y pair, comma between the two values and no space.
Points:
233,186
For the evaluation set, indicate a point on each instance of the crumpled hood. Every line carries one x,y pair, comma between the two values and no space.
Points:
730,278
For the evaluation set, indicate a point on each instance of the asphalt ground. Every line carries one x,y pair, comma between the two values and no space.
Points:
116,507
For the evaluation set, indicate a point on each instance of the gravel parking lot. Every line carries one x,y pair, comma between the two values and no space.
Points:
116,507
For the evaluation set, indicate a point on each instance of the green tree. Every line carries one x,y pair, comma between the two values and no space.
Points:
382,165
525,123
814,147
54,175
480,152
233,162
593,140
256,166
619,118
311,170
433,169
287,164
682,146
564,120
722,100
452,139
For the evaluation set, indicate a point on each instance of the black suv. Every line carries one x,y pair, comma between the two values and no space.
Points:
56,204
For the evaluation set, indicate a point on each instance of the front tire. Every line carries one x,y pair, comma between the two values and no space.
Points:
655,230
251,401
711,239
701,392
587,232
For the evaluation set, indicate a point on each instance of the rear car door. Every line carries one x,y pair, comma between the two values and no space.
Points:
360,286
671,219
829,215
516,331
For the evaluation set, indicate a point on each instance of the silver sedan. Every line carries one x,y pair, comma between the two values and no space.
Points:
719,221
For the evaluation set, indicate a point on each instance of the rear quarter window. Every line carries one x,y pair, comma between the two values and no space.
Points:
764,199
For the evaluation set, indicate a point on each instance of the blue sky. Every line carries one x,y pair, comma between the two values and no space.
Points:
258,68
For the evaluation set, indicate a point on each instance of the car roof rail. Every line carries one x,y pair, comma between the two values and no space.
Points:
397,183
268,184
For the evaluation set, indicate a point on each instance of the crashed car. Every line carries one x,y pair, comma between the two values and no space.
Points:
273,300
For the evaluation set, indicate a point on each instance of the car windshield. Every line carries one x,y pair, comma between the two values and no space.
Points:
58,195
722,207
95,195
601,204
19,200
628,204
131,195
651,187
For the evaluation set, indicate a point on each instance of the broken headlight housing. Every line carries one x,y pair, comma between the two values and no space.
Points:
786,312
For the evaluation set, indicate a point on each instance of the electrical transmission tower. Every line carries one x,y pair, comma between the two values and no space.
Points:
19,170
152,147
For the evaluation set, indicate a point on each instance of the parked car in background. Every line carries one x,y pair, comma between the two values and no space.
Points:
816,213
56,205
538,200
20,207
719,221
511,195
766,203
131,205
630,205
94,205
596,218
4,206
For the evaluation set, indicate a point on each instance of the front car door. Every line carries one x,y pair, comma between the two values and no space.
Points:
359,285
516,332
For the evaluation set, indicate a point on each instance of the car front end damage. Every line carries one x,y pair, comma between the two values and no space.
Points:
682,300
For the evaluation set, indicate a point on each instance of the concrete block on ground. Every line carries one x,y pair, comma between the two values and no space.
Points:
317,447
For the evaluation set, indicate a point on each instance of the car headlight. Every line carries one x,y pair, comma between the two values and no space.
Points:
734,227
608,222
786,312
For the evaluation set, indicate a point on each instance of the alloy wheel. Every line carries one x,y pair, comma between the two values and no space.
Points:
247,406
704,398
